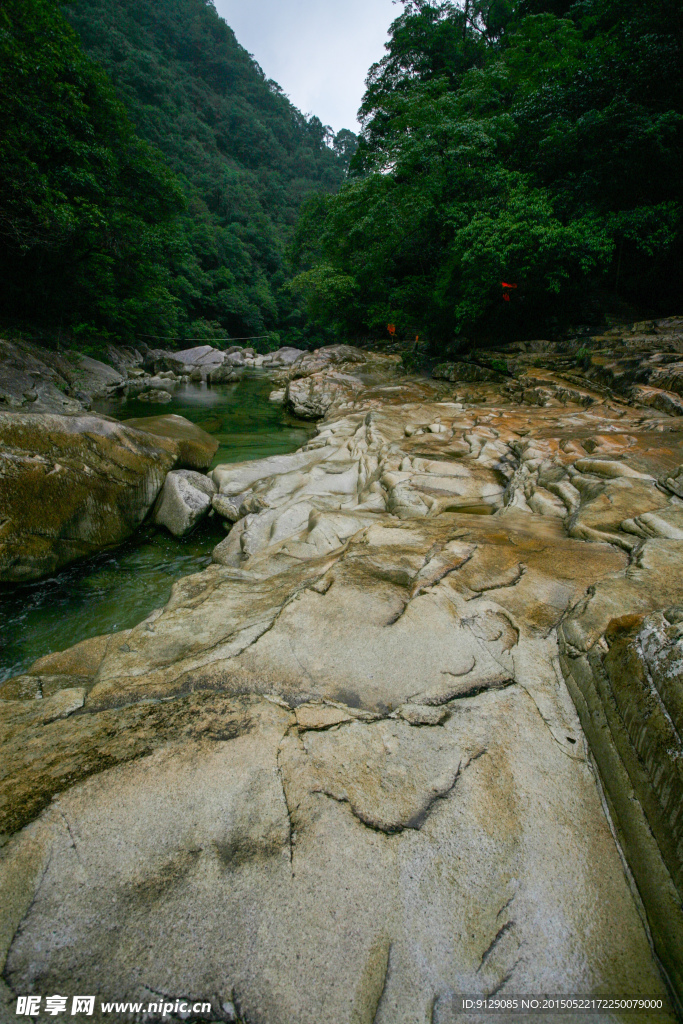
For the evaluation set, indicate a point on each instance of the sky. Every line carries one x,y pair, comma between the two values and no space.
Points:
318,51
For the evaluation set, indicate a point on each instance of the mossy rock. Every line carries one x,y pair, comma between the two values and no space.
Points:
70,486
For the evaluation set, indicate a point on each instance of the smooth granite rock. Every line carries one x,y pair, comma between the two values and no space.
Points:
185,500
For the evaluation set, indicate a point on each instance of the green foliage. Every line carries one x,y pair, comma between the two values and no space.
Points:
583,357
412,361
245,157
507,143
151,183
86,207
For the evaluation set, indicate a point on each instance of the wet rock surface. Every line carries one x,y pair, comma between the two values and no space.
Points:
397,743
72,485
37,379
34,379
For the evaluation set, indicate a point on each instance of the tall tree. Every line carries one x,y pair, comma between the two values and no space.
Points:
500,145
85,205
245,156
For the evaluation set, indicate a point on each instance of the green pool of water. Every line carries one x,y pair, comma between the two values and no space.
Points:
240,417
118,588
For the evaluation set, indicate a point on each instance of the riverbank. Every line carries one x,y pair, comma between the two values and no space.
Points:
119,587
398,742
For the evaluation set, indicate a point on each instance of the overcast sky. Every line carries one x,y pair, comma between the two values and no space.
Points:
318,51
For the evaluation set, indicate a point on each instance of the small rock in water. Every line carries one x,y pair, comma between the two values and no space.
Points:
157,397
184,500
224,374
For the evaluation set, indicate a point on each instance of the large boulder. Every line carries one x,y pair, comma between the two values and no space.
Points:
310,397
185,361
201,355
27,382
223,374
125,360
235,358
184,501
330,378
283,356
95,378
34,379
157,360
323,358
71,485
195,448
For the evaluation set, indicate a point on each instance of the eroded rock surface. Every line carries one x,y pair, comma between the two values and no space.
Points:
37,379
34,379
341,767
329,379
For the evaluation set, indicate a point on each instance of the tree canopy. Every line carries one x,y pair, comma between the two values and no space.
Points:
537,143
153,180
151,176
85,205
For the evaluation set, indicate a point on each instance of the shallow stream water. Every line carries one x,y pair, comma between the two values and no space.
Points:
118,588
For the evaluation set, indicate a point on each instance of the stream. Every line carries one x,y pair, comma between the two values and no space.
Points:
117,588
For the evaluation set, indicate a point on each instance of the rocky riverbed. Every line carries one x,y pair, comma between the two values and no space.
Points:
38,380
415,733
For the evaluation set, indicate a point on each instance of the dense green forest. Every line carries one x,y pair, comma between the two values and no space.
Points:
150,175
153,181
537,143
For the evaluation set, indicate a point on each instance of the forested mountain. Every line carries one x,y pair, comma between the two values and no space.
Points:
537,143
151,175
245,156
152,178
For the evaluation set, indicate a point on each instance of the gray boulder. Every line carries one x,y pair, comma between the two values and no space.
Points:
234,358
125,360
283,356
94,377
202,355
224,374
41,381
184,500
